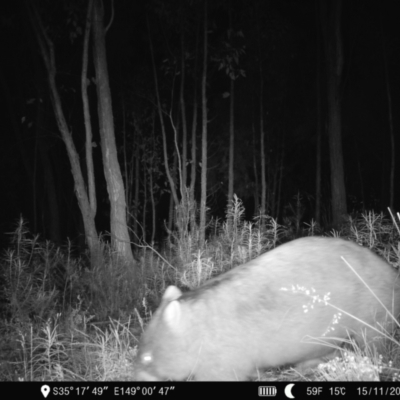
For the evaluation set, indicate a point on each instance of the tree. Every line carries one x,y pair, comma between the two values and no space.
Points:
163,130
331,13
229,60
87,204
263,208
390,118
319,125
204,155
115,184
48,54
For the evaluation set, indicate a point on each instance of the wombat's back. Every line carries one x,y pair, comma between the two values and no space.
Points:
263,313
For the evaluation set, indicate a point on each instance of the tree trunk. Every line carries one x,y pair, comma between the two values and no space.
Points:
160,114
203,198
231,143
275,178
128,187
137,138
319,127
115,185
263,207
390,120
231,178
153,203
171,213
334,54
86,114
48,55
144,204
183,111
255,167
194,139
278,207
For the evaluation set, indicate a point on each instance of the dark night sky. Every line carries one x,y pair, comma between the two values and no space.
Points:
288,41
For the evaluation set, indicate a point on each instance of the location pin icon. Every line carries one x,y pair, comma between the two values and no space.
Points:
45,389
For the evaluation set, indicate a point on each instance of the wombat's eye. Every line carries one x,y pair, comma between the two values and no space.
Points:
146,358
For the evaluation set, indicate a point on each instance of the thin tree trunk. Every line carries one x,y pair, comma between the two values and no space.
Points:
280,182
137,139
144,204
171,214
47,51
193,162
263,207
194,138
153,208
319,127
160,113
204,134
273,203
115,184
231,128
153,203
390,119
256,186
34,183
183,111
231,143
128,187
334,53
86,113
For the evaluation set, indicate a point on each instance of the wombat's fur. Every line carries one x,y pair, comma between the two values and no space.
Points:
259,315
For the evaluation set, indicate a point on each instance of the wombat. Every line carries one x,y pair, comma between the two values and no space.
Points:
286,307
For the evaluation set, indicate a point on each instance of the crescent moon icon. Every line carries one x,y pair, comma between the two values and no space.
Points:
288,390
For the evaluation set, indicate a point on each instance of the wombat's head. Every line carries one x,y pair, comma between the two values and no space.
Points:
164,347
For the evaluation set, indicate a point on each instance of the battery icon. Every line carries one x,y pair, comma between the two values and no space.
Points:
266,391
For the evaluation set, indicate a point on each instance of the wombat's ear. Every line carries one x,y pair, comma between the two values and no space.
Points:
172,314
171,293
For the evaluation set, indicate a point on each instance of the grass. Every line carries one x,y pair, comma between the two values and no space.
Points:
61,321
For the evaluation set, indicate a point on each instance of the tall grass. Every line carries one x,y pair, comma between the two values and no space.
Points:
61,320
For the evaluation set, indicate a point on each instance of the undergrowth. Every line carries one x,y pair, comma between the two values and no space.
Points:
61,320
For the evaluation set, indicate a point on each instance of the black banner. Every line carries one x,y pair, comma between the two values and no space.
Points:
185,390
